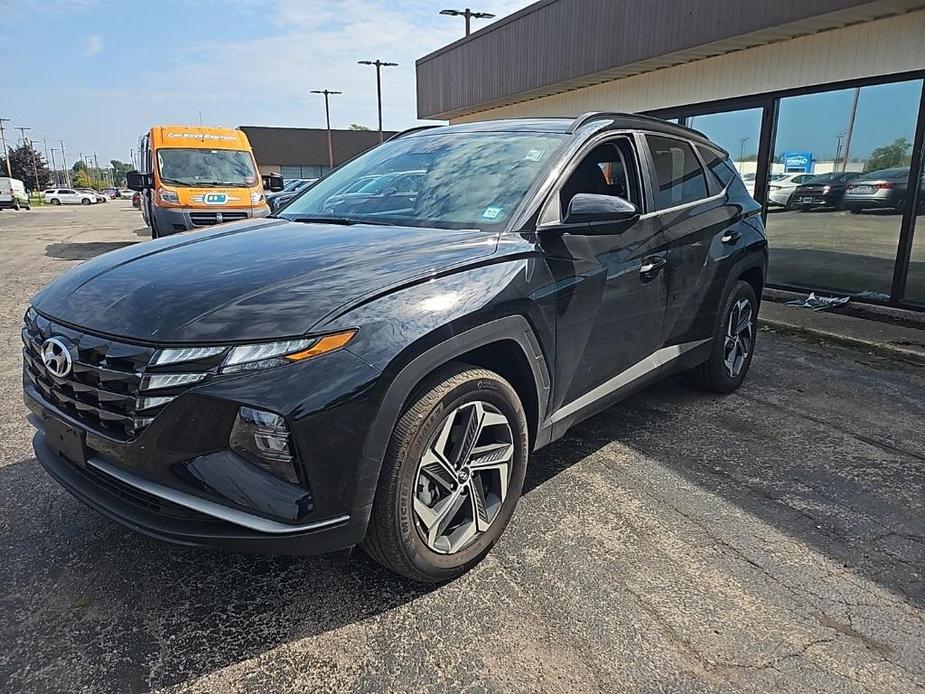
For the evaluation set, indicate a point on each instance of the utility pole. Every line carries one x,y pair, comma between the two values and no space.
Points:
742,141
22,139
54,167
379,65
45,147
327,115
468,14
67,176
96,163
6,152
838,141
850,131
35,168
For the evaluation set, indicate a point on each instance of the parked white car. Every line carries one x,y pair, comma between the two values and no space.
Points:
68,196
781,187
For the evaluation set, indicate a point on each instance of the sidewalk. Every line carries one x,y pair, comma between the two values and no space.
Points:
891,340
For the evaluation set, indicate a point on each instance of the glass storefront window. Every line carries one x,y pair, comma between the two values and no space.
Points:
738,132
839,231
915,279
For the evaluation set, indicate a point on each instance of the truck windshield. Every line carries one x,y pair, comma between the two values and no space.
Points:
451,180
206,167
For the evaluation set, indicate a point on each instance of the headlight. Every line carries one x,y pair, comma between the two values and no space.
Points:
268,354
257,197
168,196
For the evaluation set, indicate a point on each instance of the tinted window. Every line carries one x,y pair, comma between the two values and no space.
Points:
608,169
722,171
679,179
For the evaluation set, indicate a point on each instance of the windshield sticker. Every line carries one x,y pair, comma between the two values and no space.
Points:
491,213
535,155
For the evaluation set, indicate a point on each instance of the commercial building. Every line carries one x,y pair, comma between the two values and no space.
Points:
303,152
814,86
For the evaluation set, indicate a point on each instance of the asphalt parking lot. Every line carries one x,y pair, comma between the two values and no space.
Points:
768,541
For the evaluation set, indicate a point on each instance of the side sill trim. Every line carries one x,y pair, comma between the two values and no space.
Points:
209,508
638,370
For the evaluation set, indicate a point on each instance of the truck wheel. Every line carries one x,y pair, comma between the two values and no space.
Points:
733,342
451,477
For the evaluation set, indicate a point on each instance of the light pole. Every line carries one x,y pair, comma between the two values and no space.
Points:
6,152
468,14
379,65
327,116
742,141
67,176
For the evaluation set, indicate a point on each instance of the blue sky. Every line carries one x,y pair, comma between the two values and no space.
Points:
97,73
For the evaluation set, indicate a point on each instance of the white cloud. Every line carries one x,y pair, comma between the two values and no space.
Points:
317,46
93,45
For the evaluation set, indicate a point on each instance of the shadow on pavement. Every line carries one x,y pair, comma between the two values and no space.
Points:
83,251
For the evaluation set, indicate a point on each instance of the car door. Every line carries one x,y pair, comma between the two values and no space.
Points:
703,230
67,196
611,290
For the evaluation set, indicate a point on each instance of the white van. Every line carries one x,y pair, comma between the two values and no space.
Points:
13,194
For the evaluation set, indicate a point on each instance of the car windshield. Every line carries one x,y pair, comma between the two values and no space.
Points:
452,180
206,167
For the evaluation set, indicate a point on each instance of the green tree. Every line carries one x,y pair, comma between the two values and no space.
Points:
81,179
25,164
357,126
119,169
897,153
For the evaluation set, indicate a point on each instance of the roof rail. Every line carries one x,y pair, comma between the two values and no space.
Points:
592,116
588,117
410,130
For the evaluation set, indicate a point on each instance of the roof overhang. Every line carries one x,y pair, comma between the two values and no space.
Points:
553,46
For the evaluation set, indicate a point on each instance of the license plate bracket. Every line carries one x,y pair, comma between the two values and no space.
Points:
65,440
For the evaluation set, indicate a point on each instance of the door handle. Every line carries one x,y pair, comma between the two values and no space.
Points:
730,237
651,266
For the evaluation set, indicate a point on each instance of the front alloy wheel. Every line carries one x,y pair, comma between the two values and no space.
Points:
463,476
451,477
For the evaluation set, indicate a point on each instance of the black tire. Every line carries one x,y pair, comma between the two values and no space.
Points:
85,201
55,201
393,537
16,205
713,375
855,210
790,203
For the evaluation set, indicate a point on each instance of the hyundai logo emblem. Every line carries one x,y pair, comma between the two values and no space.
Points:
56,357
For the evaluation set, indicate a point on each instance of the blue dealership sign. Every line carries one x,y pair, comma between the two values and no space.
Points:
797,161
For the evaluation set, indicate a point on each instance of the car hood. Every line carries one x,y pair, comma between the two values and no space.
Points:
249,281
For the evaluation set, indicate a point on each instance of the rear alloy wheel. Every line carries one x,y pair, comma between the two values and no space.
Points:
733,342
452,475
85,201
55,201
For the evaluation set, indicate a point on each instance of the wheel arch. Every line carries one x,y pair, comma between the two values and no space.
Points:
506,345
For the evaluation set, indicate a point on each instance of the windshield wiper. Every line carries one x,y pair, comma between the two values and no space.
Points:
343,221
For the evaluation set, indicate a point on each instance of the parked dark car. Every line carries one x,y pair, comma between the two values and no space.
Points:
882,190
310,382
824,190
277,200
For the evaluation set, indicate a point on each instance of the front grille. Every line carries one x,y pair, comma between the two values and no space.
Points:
103,390
204,219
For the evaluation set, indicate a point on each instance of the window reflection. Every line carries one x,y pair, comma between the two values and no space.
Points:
915,280
738,132
839,230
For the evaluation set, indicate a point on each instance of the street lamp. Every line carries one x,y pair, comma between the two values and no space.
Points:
327,115
468,14
379,65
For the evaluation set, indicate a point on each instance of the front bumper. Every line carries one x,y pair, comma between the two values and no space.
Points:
170,220
178,482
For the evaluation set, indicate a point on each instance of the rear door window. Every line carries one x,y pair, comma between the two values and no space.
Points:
678,176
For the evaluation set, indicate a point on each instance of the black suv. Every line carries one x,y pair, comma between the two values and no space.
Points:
310,382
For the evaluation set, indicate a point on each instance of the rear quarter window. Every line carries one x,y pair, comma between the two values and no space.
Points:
721,170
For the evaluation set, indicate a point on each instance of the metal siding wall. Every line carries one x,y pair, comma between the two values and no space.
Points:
881,47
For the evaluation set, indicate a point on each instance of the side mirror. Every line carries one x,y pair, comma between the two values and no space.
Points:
139,181
273,182
603,214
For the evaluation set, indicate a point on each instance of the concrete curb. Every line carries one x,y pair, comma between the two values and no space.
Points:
898,342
